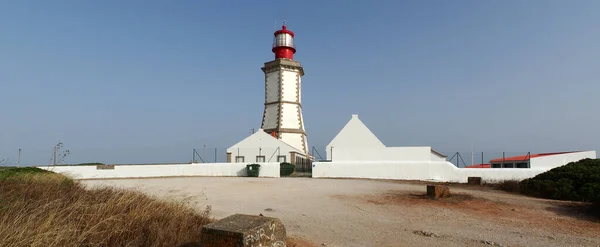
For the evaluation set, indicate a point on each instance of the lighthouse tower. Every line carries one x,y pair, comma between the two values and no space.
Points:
282,116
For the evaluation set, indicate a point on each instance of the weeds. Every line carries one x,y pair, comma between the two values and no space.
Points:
512,186
40,208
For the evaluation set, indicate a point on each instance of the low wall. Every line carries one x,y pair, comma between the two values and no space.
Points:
440,171
166,170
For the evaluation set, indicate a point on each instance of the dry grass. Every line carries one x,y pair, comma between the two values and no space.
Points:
511,186
47,209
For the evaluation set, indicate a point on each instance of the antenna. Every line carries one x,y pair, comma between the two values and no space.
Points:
472,153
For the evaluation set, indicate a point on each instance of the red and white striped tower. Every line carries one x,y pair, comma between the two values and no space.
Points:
282,116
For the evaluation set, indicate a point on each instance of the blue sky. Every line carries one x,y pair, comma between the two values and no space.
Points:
148,81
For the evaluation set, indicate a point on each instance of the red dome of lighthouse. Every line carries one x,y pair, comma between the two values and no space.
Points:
283,44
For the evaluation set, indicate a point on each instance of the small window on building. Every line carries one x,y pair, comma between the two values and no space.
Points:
522,165
509,165
281,158
239,159
260,158
496,165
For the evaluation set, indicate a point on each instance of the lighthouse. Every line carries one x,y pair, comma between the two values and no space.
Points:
282,116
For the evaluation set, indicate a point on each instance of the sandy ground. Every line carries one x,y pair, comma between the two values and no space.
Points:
346,212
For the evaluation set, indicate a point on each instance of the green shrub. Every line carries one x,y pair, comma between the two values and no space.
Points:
576,181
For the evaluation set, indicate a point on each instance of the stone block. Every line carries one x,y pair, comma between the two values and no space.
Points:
474,180
105,167
240,230
437,191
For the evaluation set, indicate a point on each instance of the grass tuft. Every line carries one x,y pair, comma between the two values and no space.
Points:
41,208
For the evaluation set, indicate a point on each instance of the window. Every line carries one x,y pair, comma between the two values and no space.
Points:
509,165
281,158
239,159
496,165
522,165
260,158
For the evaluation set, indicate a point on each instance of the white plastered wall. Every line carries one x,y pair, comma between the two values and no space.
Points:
289,86
381,154
436,157
293,139
289,115
272,86
271,117
166,170
556,160
441,171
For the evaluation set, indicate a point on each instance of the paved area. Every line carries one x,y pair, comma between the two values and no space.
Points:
346,212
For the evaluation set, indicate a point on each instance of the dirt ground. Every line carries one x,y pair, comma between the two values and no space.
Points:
351,212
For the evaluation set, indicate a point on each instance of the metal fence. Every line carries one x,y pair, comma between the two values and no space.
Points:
481,159
207,154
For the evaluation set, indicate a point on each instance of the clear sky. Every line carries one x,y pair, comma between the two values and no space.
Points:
147,81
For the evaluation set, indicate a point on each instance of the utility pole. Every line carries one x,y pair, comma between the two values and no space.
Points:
19,159
54,156
472,154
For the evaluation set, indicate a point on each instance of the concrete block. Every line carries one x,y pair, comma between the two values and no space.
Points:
437,191
240,230
474,180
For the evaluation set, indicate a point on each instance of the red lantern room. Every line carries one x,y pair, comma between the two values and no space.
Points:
283,44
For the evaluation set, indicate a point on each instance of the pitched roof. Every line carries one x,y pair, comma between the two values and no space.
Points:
524,157
356,134
261,138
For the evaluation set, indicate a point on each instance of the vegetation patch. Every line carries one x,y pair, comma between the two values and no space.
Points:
576,181
14,171
42,208
512,186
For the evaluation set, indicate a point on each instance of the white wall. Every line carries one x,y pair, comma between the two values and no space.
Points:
289,85
552,161
435,157
167,170
343,154
272,86
441,171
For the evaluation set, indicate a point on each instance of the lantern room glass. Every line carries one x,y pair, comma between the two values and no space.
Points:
283,39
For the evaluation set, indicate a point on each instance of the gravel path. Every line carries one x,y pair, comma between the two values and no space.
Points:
346,212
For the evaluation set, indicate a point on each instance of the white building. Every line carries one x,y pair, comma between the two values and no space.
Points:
542,160
261,147
355,142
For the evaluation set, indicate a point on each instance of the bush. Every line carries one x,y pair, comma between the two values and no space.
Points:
41,208
512,186
576,181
